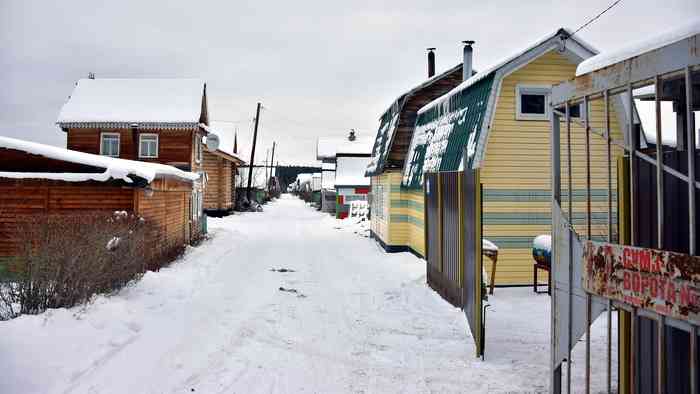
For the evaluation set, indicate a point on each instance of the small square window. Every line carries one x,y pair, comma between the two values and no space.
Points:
532,102
148,145
109,144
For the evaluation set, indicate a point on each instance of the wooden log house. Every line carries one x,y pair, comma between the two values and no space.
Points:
37,179
220,193
149,120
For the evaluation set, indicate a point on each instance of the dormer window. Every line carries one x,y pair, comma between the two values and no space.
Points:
148,145
109,144
532,102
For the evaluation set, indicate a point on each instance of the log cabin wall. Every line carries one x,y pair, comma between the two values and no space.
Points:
218,195
175,147
168,212
28,197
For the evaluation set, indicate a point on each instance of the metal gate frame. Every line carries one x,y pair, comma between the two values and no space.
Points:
675,60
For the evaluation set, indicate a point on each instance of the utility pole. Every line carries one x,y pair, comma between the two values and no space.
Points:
252,152
272,166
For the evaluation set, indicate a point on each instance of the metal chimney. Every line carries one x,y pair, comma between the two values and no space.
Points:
431,62
467,62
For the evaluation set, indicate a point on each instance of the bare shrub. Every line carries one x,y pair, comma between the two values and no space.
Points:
67,259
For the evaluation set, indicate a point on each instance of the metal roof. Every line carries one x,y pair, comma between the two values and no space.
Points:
443,130
398,114
461,118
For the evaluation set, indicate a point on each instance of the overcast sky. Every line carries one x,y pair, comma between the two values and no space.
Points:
319,67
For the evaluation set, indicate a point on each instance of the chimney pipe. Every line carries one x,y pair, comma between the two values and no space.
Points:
431,62
467,62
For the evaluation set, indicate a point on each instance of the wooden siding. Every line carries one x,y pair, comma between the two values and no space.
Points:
218,194
26,197
516,172
174,146
168,212
404,224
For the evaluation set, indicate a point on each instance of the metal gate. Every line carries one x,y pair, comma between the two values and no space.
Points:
453,243
472,290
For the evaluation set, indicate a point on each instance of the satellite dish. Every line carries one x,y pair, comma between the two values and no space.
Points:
212,142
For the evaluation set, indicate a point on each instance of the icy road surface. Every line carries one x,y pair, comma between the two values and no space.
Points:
216,321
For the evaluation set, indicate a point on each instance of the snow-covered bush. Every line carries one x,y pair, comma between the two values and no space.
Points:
66,259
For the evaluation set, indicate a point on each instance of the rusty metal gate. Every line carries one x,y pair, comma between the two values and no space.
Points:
472,289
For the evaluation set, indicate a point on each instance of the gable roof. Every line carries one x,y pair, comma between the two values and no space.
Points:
150,103
397,122
461,118
114,168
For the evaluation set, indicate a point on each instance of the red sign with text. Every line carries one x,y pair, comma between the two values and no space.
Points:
665,282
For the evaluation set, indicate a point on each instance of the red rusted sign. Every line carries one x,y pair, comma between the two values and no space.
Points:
664,282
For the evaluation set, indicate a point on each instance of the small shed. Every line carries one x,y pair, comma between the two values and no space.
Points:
220,194
37,179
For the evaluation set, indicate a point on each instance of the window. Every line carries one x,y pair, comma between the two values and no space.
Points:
532,102
109,144
198,148
148,145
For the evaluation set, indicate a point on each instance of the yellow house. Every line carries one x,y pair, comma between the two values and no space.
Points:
498,121
397,212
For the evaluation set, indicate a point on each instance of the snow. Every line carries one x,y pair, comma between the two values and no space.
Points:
543,242
134,101
350,171
488,245
361,320
114,168
328,147
648,44
646,110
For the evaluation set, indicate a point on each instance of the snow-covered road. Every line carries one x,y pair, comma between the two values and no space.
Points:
216,322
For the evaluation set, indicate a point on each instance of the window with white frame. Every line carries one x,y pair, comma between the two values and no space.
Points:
109,144
148,145
532,102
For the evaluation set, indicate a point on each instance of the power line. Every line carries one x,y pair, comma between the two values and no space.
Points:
595,18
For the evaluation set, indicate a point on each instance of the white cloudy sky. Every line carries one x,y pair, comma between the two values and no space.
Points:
320,67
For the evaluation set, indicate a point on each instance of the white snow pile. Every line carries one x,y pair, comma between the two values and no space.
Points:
115,168
350,171
649,44
543,242
488,245
134,101
329,147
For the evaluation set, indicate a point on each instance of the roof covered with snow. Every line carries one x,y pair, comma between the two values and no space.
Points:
117,169
350,171
329,147
634,49
147,102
